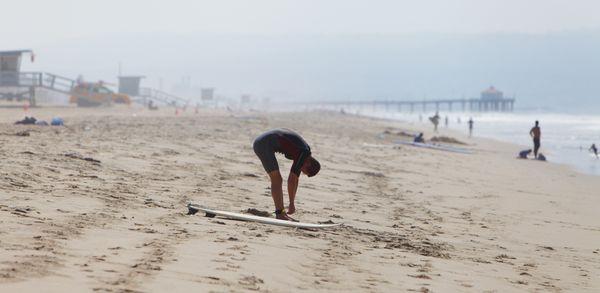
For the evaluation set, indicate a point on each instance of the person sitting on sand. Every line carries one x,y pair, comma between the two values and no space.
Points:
536,134
541,157
419,138
293,146
524,154
594,149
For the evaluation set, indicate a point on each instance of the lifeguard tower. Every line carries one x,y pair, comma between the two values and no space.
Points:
13,86
208,96
16,85
130,85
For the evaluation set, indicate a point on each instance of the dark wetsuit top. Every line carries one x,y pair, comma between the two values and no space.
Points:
284,141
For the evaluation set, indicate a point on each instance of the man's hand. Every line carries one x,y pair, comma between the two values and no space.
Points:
291,209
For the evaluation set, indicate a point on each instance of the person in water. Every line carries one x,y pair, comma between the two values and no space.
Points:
594,149
295,148
419,138
524,154
536,134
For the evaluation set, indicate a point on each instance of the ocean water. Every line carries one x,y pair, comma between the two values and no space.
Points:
566,138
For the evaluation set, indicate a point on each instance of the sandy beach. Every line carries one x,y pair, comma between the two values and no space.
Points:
100,206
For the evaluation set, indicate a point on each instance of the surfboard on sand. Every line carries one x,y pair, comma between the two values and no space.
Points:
193,208
440,147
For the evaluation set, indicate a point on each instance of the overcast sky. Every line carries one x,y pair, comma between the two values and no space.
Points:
544,51
26,23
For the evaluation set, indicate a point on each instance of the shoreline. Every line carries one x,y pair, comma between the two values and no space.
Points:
427,127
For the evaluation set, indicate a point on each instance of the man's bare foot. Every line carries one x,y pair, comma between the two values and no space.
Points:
286,218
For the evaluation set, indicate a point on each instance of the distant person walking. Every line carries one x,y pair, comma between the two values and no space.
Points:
536,134
471,126
436,121
594,149
446,122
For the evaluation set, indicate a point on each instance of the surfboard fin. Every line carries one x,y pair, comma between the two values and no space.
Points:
192,210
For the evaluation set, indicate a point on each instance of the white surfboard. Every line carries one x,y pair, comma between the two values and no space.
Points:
263,220
440,147
373,145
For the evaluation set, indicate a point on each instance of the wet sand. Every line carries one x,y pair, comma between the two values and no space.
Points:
99,205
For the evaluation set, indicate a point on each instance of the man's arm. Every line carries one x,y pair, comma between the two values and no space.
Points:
292,188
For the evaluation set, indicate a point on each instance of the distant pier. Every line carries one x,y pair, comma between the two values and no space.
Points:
491,100
472,105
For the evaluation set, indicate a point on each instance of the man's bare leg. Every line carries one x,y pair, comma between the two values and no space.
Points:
277,189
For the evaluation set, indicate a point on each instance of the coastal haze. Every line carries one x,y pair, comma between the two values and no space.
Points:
539,51
96,177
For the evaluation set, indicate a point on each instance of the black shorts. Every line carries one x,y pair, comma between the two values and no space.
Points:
264,147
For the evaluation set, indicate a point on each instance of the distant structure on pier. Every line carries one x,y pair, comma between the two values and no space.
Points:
492,94
493,100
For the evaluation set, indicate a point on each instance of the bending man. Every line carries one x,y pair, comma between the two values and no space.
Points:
293,146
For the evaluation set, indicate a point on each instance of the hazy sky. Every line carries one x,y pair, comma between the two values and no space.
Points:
35,22
544,51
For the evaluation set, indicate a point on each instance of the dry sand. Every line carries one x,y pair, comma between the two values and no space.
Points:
415,219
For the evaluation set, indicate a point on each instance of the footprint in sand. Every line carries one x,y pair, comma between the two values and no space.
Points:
251,282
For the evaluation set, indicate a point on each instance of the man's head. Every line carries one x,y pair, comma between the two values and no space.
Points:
537,123
311,167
